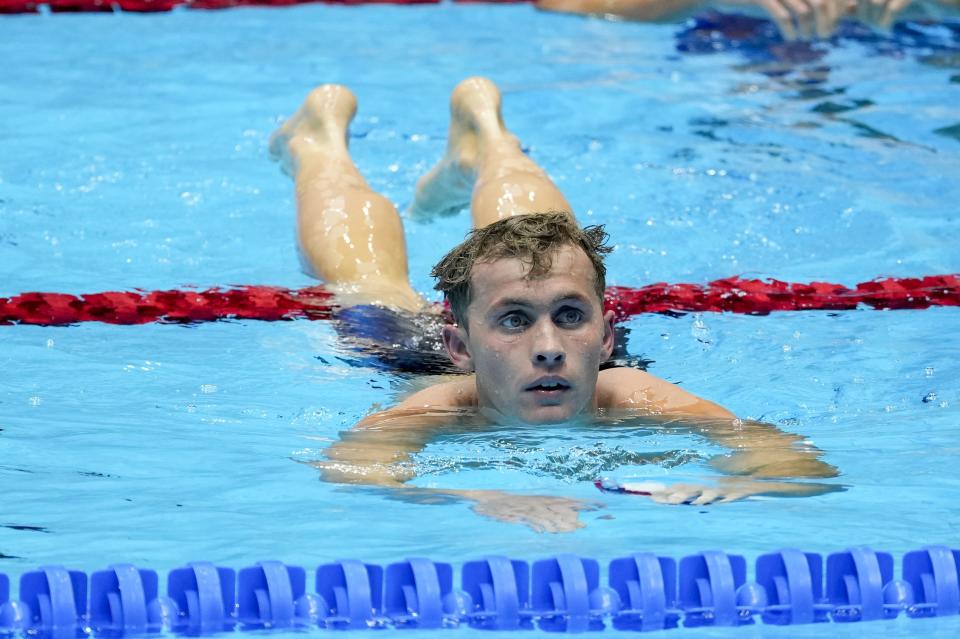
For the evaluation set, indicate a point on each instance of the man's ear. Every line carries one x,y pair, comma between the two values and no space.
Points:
609,336
455,341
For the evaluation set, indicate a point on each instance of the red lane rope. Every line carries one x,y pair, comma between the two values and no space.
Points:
154,6
759,297
268,303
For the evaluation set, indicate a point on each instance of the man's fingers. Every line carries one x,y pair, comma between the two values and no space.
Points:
678,498
819,17
827,16
697,495
781,16
871,11
862,11
890,12
539,513
534,525
558,520
588,505
880,13
681,493
802,16
706,497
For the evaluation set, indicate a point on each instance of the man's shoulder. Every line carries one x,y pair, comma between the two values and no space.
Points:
616,386
456,393
630,388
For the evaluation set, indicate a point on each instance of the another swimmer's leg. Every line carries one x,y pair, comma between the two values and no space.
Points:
349,236
484,165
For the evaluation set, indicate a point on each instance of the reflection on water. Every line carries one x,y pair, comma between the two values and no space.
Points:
569,464
566,452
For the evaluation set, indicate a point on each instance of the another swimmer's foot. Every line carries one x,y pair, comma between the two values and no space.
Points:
318,127
475,122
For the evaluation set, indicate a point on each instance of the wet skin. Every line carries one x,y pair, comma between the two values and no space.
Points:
535,343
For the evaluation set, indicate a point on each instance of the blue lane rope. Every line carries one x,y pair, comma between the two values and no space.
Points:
643,592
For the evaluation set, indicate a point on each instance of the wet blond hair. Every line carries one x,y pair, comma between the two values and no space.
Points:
534,239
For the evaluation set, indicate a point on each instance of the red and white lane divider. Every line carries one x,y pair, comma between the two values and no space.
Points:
268,303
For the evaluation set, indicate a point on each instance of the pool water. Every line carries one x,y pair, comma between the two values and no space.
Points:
135,157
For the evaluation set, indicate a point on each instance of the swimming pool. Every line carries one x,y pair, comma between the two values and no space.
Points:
135,157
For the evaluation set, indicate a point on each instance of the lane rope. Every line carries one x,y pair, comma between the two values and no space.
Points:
641,591
157,6
270,303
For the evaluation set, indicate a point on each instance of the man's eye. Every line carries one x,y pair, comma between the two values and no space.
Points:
513,321
570,316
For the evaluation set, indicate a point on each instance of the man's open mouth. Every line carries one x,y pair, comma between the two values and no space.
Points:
549,386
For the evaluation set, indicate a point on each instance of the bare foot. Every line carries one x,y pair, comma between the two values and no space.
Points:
475,122
318,127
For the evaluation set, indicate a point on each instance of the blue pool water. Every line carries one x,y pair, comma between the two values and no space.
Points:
134,156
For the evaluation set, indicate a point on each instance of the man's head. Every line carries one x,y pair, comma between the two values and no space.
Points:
527,294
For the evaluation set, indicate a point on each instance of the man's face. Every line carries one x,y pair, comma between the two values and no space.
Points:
536,344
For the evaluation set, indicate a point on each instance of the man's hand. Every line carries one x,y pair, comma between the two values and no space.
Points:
731,489
696,494
801,19
542,514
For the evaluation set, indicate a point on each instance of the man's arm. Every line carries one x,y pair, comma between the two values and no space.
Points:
377,449
377,452
759,452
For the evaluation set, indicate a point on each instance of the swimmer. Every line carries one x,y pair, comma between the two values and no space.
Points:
529,331
796,19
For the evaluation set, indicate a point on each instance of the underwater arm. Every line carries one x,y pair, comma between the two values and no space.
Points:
377,450
762,451
759,452
377,453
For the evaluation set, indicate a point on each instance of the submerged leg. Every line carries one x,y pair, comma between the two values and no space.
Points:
349,236
484,165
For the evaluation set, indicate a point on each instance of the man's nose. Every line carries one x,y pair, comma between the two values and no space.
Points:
548,349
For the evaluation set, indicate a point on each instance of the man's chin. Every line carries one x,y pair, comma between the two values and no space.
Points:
548,415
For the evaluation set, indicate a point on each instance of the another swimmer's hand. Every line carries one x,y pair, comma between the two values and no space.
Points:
880,13
801,19
642,10
541,513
